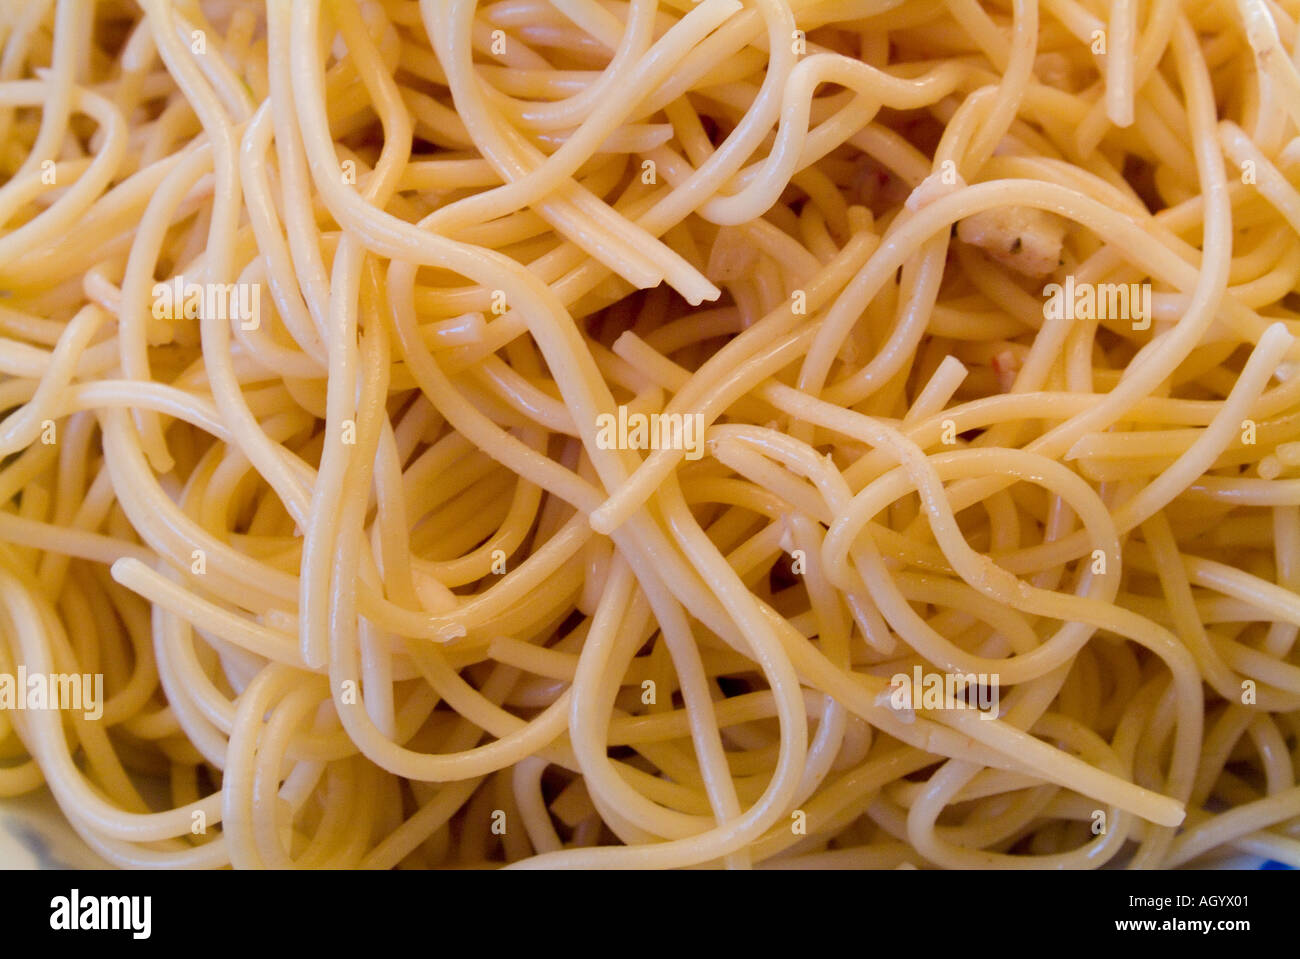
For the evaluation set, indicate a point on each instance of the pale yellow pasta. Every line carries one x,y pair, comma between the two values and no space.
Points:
464,433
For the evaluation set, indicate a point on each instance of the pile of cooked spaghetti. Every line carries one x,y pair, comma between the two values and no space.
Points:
315,317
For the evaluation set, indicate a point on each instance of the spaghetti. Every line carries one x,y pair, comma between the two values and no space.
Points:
327,327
